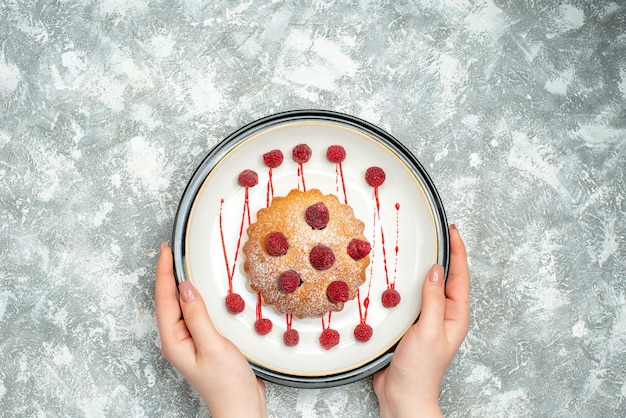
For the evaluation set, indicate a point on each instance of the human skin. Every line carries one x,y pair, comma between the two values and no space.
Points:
213,366
409,387
221,375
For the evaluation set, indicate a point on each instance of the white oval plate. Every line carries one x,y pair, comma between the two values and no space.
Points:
409,216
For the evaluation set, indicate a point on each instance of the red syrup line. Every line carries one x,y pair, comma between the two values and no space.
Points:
230,271
268,198
343,184
289,320
397,247
382,238
324,325
270,188
259,304
246,210
230,279
366,302
339,175
301,176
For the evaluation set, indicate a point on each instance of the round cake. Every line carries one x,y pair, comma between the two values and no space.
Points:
306,254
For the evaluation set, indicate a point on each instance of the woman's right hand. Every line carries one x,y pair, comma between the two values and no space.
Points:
209,362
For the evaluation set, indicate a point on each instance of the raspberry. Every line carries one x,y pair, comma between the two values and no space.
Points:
301,153
276,243
248,178
234,303
273,158
357,249
336,154
288,281
329,338
363,332
374,176
291,337
321,257
338,291
390,298
263,326
317,216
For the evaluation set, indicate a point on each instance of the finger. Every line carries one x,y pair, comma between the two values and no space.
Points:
197,317
166,299
458,285
433,299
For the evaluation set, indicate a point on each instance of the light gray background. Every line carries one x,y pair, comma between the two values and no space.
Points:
517,109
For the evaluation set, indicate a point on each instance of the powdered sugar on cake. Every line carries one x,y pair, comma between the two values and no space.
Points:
286,215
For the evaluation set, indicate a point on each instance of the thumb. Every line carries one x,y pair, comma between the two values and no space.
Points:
195,315
433,298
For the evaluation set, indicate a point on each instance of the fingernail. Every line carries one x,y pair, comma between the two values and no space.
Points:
186,291
453,226
435,273
164,245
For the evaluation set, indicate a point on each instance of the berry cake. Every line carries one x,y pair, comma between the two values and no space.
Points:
306,254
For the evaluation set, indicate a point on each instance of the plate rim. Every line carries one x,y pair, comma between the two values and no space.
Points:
220,149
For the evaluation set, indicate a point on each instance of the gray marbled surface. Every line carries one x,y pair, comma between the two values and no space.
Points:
517,109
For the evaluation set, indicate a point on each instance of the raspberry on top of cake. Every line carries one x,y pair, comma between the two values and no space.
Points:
306,254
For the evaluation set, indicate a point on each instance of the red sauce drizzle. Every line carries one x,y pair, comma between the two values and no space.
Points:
259,305
397,248
301,183
230,270
339,178
382,236
270,188
269,196
324,324
289,320
366,303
